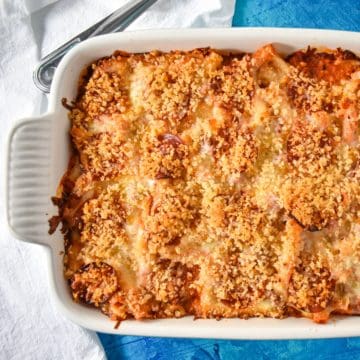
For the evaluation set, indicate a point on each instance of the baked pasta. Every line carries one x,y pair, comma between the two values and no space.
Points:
215,184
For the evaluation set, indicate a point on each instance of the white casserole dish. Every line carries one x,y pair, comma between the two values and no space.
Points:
38,154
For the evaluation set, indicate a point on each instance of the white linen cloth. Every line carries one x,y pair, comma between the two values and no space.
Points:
30,327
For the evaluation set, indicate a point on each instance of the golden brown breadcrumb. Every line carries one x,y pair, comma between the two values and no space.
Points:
93,283
215,184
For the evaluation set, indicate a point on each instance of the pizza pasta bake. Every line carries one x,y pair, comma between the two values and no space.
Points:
215,184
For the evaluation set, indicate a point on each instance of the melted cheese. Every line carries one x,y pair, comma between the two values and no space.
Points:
216,185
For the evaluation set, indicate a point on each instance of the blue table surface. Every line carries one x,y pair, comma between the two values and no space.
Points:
322,14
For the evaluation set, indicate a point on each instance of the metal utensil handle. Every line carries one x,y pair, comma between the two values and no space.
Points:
115,22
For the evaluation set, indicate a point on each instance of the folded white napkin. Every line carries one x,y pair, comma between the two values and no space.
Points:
31,328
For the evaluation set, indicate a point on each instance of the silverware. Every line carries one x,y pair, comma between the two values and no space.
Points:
117,21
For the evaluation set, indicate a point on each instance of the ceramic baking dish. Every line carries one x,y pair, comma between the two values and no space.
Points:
38,153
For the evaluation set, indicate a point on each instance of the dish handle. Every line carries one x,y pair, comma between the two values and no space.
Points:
28,178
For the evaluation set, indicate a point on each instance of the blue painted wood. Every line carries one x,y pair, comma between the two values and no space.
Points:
323,14
320,14
145,348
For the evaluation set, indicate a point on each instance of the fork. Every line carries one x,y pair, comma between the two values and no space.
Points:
119,20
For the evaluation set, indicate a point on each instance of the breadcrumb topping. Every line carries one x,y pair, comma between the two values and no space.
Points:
311,288
215,184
